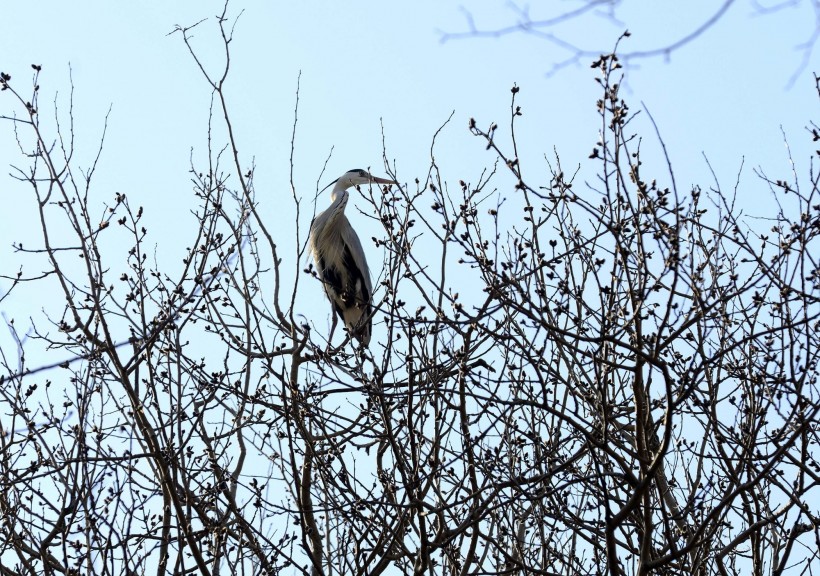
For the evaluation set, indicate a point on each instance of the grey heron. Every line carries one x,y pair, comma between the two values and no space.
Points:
340,259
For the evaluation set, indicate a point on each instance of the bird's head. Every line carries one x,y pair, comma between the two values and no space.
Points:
355,177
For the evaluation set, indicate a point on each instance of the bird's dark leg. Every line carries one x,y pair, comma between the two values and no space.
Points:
332,330
361,355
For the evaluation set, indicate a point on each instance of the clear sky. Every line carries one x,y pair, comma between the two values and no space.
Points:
727,95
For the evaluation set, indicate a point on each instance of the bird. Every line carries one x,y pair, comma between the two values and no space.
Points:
340,258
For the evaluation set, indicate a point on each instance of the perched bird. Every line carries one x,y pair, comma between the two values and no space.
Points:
340,259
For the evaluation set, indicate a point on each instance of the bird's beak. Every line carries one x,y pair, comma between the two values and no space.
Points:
382,180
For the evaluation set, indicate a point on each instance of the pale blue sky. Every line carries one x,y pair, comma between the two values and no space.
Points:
362,63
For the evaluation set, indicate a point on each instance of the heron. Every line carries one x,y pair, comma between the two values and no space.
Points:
340,259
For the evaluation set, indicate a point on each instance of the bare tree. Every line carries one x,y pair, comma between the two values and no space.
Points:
553,23
614,377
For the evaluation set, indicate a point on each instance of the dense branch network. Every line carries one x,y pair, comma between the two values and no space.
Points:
598,373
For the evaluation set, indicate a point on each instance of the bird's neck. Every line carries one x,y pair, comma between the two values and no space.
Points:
338,201
338,197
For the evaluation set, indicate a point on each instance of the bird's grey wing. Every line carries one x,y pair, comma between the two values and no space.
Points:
354,246
358,288
334,283
356,297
